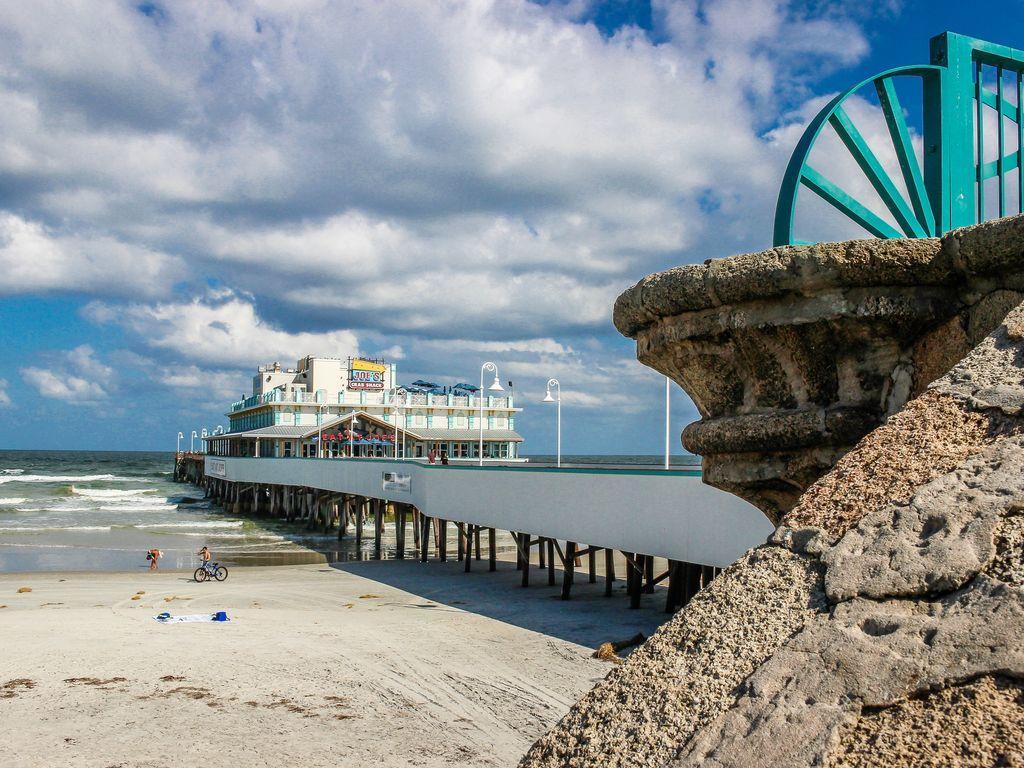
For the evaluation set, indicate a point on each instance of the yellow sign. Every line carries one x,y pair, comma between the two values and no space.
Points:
364,374
359,364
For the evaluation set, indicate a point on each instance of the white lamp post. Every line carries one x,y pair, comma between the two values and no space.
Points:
181,437
394,410
667,420
192,442
495,387
558,419
204,435
320,429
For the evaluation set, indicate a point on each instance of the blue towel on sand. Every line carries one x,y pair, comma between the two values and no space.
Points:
166,618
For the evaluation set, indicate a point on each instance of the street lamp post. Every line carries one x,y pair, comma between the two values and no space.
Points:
192,441
558,418
394,409
181,437
204,435
667,420
320,429
495,387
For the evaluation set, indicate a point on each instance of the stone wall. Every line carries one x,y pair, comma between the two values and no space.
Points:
881,625
792,355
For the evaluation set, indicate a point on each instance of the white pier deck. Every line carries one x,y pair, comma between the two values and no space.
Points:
665,513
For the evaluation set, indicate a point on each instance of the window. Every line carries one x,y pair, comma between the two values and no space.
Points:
288,448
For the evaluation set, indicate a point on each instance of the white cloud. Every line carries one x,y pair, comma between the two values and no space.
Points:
223,333
497,151
5,399
77,376
35,260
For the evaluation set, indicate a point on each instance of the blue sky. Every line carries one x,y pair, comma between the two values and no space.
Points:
189,190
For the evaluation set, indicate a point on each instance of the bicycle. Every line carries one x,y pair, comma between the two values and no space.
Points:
210,571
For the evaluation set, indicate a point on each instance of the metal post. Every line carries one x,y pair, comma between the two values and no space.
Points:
668,391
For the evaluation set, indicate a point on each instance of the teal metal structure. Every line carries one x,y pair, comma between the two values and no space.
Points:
965,80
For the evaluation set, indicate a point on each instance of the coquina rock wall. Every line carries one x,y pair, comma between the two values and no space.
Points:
883,622
792,355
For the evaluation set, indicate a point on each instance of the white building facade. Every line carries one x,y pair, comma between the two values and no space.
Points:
357,402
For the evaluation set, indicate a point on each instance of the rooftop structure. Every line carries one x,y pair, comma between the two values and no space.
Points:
335,407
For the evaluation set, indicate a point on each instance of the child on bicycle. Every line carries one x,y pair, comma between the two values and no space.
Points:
204,555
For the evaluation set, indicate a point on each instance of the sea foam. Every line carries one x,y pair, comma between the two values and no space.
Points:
108,493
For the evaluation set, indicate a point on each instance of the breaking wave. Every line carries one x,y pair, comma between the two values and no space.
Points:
107,493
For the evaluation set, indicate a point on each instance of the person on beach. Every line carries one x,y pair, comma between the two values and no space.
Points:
153,555
432,456
204,555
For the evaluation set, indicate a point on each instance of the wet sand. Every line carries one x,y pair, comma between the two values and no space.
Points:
384,663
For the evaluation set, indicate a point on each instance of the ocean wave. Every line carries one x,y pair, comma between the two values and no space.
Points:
139,507
195,524
12,471
40,529
12,501
109,493
214,535
4,478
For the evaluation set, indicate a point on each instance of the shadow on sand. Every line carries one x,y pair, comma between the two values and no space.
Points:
588,619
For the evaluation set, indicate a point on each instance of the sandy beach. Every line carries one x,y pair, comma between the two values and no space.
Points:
373,663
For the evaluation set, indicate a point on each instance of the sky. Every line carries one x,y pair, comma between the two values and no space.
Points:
190,189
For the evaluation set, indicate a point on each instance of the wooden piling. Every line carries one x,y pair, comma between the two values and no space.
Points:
569,566
551,562
609,571
524,546
399,531
378,526
492,554
442,541
649,574
592,564
424,538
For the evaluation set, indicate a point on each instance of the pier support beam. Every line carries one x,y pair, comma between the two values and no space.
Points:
492,553
609,571
569,566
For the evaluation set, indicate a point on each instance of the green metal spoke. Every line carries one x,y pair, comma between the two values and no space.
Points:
991,168
979,128
846,204
900,136
992,100
1020,142
876,174
1000,140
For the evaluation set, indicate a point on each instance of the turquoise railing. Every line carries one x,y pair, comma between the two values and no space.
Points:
969,82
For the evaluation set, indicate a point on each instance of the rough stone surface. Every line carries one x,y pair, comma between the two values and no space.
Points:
992,375
980,723
1008,563
687,673
938,541
883,622
772,346
866,654
930,437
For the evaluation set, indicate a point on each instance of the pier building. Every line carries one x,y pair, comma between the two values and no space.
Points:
331,407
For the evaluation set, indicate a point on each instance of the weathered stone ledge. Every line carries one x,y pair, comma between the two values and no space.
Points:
792,355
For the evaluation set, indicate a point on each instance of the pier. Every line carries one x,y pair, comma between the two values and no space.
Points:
565,518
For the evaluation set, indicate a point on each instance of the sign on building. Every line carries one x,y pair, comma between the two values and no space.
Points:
216,467
395,481
365,374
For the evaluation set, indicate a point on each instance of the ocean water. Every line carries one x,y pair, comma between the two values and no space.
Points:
90,511
86,511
